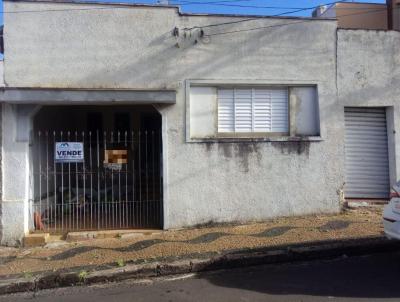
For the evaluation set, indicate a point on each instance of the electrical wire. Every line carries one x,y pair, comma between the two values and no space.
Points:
284,24
221,3
224,23
179,2
255,18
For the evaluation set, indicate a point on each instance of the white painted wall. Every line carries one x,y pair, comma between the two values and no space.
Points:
304,111
15,176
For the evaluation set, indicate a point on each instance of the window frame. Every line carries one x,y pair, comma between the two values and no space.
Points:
320,90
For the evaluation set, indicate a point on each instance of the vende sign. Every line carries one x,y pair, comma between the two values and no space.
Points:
69,152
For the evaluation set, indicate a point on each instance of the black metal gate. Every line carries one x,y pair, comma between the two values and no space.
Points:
115,184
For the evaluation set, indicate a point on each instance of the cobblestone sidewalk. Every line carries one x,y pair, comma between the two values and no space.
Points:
191,243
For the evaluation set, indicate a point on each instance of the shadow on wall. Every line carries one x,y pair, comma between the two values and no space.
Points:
203,61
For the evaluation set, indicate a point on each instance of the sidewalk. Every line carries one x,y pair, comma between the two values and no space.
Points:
85,257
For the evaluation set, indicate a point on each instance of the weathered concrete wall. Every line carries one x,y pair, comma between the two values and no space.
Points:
1,73
15,175
369,75
134,48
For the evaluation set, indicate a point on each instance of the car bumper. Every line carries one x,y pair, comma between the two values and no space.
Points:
392,229
391,223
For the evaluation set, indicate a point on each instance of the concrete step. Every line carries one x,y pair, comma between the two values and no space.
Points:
359,203
85,235
36,239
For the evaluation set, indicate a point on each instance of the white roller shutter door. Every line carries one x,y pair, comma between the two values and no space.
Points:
366,153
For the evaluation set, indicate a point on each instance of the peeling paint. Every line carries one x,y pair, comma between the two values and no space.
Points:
342,199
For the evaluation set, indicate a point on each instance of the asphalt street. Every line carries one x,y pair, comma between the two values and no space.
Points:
367,278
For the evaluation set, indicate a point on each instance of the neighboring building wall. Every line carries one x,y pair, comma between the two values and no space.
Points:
394,14
134,48
362,15
369,75
357,15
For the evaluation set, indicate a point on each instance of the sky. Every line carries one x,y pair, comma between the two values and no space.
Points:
239,6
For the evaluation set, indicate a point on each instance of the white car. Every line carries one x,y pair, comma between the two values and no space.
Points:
391,214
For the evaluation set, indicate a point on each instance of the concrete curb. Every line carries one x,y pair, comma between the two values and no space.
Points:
300,252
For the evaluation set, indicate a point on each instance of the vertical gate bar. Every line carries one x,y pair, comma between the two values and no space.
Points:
119,188
47,178
40,175
98,178
71,212
84,181
62,189
160,201
153,202
126,182
140,180
91,179
55,184
77,190
133,179
105,186
112,188
147,181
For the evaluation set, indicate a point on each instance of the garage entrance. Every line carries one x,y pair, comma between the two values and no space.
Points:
366,153
96,168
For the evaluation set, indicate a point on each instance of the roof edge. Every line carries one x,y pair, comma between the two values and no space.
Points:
175,7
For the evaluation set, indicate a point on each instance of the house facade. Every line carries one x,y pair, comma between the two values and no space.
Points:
134,116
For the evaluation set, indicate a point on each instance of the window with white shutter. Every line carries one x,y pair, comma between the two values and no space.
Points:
253,110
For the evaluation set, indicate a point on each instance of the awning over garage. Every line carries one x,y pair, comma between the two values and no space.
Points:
81,96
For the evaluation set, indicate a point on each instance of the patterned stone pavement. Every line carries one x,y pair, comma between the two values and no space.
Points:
196,243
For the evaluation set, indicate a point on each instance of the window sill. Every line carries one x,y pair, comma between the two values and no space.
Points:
257,139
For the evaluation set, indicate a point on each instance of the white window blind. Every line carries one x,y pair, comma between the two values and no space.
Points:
253,110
